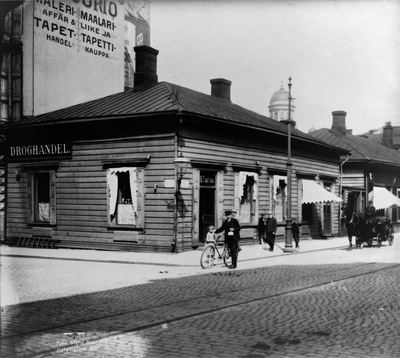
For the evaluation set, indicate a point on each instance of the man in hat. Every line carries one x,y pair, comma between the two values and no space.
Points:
370,211
296,233
234,212
231,228
271,230
262,229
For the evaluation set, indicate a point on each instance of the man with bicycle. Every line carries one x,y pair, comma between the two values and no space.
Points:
231,229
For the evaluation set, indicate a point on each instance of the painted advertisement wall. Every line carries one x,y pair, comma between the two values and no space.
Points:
78,50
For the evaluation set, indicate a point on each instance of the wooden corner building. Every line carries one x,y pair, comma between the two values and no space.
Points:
104,175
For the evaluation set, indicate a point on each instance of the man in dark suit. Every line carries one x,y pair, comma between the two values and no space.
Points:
262,229
271,231
231,228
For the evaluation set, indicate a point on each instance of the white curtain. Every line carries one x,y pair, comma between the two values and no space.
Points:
276,184
112,179
242,180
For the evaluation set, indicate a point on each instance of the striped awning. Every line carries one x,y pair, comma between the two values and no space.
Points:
315,193
383,198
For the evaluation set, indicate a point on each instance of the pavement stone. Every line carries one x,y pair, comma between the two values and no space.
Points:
258,303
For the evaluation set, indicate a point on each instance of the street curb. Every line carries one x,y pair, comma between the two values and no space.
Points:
167,264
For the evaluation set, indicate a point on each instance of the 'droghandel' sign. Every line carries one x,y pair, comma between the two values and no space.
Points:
39,151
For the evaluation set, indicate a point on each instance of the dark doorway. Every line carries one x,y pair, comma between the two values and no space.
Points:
207,203
327,218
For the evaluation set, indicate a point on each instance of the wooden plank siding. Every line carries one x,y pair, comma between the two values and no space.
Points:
199,150
81,187
353,180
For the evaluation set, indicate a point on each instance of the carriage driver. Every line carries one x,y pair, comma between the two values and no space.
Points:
370,211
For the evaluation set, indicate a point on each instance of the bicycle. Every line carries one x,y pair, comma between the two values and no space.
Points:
211,253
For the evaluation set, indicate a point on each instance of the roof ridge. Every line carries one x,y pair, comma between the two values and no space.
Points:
173,94
350,145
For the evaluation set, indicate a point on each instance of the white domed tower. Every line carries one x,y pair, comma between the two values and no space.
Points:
279,105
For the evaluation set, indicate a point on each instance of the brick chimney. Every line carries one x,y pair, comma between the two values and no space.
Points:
146,68
221,88
339,122
387,138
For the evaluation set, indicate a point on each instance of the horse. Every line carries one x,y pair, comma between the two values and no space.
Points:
351,221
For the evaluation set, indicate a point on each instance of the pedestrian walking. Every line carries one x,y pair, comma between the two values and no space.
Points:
262,229
271,230
231,229
296,233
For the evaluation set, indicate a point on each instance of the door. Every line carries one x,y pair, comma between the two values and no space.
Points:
327,224
327,218
207,203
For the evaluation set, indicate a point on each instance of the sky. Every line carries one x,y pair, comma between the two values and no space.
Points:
341,55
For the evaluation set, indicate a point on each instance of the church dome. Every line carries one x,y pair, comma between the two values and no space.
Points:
279,105
281,95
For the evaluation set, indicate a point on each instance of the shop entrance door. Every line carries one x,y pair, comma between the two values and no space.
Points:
327,219
207,203
327,224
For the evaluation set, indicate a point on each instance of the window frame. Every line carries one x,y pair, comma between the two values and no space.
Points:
32,205
140,191
277,178
253,215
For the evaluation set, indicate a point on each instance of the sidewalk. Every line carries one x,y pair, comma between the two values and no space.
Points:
182,259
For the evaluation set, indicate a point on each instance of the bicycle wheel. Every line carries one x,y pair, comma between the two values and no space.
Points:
227,256
207,257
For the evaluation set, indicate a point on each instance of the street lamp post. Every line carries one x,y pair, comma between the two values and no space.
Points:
181,164
288,228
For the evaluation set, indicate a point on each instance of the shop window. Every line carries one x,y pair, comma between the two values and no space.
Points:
278,189
124,193
41,197
247,195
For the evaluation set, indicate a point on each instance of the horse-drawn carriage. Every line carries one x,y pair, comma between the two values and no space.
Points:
372,226
377,229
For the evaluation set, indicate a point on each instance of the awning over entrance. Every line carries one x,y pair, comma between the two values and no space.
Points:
383,198
315,193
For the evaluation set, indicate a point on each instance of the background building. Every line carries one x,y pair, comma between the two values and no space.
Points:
370,168
63,52
388,135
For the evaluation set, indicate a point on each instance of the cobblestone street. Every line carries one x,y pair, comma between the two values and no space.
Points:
300,305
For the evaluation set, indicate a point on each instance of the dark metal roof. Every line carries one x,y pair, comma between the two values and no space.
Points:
362,149
378,136
163,98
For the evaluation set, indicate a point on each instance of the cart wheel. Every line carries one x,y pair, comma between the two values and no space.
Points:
379,240
369,241
207,257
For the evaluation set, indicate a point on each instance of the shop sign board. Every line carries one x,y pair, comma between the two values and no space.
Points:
80,50
39,151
